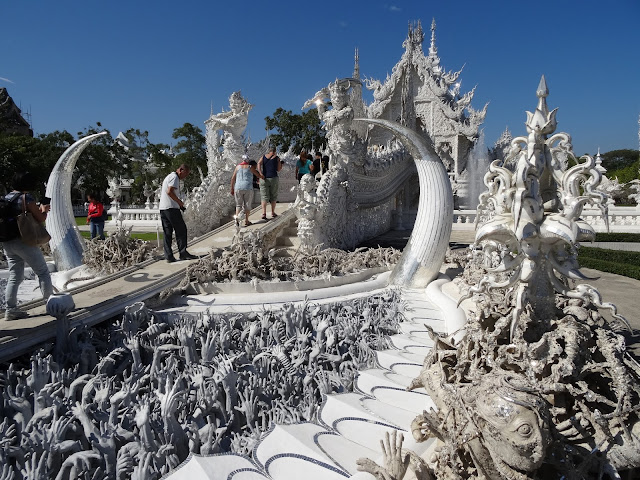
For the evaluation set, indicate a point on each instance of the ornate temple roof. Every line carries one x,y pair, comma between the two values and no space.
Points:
11,119
420,79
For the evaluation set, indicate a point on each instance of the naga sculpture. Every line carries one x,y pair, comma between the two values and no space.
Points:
66,243
540,385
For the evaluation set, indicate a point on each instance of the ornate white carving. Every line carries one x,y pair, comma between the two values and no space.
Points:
427,246
210,202
539,382
376,173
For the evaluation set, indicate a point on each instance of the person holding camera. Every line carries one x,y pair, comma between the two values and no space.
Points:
18,252
171,208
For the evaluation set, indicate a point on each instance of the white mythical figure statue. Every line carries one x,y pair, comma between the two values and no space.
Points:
209,203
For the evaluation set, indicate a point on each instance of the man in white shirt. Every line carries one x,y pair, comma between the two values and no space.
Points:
171,208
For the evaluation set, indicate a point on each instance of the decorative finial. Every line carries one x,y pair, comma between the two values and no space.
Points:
356,65
599,166
433,50
542,121
542,91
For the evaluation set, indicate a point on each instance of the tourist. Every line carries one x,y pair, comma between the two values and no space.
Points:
269,166
324,164
317,163
18,252
256,182
95,216
171,208
303,166
242,188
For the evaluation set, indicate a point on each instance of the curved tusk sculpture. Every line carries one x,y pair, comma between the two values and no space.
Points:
66,242
424,254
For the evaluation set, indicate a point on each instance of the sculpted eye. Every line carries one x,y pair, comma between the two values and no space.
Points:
525,430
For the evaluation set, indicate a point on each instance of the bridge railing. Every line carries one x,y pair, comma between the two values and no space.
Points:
621,219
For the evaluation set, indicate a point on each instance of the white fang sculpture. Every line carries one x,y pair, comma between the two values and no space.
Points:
66,243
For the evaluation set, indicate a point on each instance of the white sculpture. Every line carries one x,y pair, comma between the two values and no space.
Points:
373,174
209,203
427,246
59,306
518,396
66,243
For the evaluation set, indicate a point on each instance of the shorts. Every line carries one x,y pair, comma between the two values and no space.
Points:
269,189
243,199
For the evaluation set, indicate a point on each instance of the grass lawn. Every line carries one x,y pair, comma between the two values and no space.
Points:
147,236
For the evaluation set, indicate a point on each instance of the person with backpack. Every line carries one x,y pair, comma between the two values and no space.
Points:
18,252
96,216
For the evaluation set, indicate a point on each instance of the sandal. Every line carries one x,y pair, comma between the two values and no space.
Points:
264,217
247,223
274,215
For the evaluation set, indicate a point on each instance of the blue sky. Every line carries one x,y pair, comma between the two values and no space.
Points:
156,65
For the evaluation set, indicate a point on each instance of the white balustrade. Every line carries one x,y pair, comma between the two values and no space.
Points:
464,219
621,219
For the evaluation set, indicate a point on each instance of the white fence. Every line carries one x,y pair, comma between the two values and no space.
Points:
621,219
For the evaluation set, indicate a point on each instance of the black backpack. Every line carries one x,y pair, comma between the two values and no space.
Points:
8,222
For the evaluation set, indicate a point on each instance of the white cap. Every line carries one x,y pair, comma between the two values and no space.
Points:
244,157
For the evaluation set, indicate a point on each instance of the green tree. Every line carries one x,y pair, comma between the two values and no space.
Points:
37,155
617,159
102,159
300,131
147,161
190,149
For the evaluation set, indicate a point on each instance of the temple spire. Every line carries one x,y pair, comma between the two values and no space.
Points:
356,65
433,50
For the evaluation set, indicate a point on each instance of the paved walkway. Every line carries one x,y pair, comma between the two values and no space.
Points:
107,297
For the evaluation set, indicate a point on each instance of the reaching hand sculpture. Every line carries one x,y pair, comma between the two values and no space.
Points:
209,384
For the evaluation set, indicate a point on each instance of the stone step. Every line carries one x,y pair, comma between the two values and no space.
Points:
220,466
380,411
287,241
389,358
284,252
390,388
365,420
412,344
355,423
306,442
